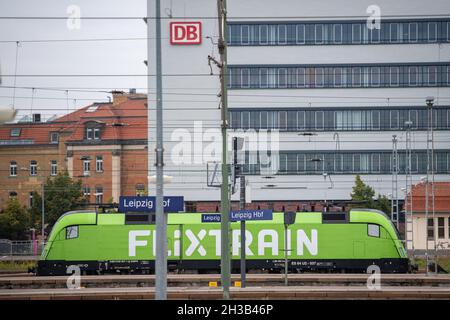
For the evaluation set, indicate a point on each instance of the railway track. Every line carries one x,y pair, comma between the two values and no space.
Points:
253,280
249,293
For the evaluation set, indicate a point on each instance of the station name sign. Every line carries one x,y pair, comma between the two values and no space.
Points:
240,215
185,33
148,204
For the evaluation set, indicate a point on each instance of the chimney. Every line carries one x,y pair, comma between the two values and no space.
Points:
118,97
133,91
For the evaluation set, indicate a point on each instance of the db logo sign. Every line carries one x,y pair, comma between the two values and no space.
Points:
185,32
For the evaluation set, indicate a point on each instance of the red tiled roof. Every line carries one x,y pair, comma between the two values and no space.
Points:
38,132
441,197
130,114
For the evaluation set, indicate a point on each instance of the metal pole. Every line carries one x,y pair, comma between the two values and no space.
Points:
285,255
161,217
432,189
429,118
225,202
43,212
242,207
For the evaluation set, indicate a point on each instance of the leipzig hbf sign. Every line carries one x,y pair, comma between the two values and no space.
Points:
185,33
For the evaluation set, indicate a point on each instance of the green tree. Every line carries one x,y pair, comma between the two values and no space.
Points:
62,194
365,193
14,221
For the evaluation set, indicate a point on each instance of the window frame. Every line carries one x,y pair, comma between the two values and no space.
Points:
378,229
15,132
69,229
297,27
86,164
53,167
54,141
99,163
33,168
13,168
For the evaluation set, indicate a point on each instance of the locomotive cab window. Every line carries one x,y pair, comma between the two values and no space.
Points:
373,230
72,232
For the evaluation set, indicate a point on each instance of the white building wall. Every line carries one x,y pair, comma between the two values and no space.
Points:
190,94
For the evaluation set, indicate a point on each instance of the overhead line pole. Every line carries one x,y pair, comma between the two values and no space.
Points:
225,198
161,217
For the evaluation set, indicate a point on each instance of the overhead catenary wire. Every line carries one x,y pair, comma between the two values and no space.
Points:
229,17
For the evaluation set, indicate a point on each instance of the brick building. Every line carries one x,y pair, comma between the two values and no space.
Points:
104,145
436,230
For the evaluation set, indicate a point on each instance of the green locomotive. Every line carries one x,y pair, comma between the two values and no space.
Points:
104,243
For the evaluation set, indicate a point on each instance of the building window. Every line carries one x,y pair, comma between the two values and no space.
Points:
92,133
30,199
33,168
394,32
432,75
282,34
356,77
89,133
413,31
441,228
86,167
13,195
430,229
319,77
375,76
96,133
245,35
300,31
54,137
282,78
71,232
337,77
99,163
140,190
337,32
432,31
394,76
53,167
98,194
86,191
356,33
263,34
319,33
413,75
13,169
15,132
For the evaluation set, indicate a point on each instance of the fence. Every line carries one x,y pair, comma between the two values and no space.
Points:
20,248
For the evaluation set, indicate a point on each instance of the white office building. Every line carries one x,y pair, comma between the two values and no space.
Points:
335,80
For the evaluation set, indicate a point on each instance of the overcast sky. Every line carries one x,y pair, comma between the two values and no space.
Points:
103,57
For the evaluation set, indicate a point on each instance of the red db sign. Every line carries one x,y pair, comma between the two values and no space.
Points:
185,32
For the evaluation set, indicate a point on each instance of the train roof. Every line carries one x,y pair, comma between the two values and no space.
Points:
87,217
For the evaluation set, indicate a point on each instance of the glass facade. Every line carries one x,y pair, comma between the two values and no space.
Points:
348,162
337,32
339,76
334,119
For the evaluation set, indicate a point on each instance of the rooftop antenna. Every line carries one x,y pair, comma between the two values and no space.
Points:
15,74
32,103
